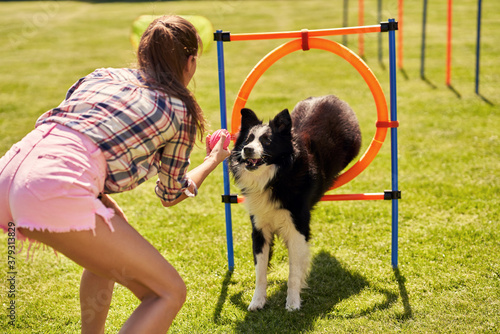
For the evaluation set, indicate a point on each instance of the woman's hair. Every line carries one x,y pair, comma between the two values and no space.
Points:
163,53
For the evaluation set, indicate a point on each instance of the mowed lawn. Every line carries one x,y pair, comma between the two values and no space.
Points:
448,279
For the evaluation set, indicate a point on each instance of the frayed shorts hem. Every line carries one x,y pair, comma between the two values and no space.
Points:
102,211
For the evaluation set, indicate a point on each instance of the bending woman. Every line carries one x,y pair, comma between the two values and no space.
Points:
115,129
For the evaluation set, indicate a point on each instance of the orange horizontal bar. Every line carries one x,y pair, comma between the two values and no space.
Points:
311,33
353,197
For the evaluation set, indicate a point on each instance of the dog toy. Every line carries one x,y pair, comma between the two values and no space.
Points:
214,138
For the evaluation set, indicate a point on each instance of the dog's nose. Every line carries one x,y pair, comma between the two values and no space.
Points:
248,151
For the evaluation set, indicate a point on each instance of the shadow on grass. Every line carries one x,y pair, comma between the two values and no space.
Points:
329,284
484,99
408,313
454,91
427,81
381,64
403,72
222,296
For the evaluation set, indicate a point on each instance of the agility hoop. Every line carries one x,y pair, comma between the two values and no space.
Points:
327,45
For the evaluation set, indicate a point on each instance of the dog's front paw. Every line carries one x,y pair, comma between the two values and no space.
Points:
258,302
293,303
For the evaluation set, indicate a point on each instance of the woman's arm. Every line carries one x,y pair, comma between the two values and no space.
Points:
198,175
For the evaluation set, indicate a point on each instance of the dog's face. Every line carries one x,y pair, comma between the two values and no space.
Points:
259,145
256,147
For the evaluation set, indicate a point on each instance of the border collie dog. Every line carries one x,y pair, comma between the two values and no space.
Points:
283,169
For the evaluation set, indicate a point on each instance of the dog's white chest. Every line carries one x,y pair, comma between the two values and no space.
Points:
268,214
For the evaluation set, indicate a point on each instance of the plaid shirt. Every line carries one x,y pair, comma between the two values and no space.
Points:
141,131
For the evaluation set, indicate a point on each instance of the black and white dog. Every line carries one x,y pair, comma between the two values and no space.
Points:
283,169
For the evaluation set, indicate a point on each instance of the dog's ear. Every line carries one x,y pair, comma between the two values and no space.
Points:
282,123
249,119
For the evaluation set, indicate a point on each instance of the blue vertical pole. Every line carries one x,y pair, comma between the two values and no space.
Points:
225,167
422,51
394,145
478,44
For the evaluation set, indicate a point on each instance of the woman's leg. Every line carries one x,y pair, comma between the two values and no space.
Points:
126,257
95,299
96,291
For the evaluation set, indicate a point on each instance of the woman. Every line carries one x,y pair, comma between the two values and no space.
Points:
115,129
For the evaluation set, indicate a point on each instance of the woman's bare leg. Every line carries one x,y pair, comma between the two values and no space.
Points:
95,299
126,257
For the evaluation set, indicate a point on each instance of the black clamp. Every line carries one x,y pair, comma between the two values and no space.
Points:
230,199
392,194
388,26
222,36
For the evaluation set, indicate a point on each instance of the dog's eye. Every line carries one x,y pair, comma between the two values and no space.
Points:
250,139
265,140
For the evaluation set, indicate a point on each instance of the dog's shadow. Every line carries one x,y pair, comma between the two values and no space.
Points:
329,284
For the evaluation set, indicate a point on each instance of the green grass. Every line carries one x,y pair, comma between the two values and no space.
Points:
449,273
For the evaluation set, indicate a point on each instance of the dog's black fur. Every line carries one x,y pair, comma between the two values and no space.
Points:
283,170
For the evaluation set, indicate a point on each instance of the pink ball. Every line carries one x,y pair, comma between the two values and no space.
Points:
214,138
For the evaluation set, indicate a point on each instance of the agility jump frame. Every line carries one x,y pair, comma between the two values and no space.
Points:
305,40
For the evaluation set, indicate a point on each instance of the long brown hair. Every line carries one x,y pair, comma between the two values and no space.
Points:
163,53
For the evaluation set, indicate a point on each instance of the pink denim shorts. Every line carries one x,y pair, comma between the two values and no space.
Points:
50,181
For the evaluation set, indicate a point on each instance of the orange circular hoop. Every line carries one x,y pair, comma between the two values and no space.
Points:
354,60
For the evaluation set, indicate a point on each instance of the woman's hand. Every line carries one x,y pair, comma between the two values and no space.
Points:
218,153
212,160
